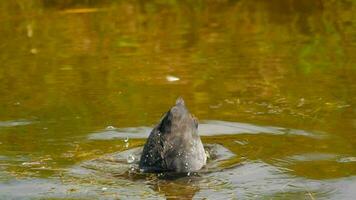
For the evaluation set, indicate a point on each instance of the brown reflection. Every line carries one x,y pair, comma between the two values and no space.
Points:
183,188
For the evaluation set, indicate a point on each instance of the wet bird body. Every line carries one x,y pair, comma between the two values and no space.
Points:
174,144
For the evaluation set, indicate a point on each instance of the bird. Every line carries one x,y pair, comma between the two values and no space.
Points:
174,144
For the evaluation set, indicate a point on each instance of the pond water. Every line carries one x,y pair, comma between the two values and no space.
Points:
83,82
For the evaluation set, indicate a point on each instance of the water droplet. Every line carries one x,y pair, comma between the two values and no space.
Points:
110,128
132,168
301,102
172,78
104,189
207,153
188,174
126,140
130,158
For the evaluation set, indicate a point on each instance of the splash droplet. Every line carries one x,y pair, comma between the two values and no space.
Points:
130,158
110,128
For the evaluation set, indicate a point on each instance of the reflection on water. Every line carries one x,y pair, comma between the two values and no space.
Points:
278,76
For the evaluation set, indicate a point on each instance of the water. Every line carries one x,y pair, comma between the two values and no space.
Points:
272,82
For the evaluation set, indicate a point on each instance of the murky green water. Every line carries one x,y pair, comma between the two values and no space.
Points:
273,82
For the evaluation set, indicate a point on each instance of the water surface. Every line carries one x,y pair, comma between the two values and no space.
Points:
272,82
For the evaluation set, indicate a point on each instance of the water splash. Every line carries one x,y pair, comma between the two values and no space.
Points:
131,159
110,128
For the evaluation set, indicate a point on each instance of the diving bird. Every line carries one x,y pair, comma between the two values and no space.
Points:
174,144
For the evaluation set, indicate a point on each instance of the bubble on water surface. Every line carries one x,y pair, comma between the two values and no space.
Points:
131,158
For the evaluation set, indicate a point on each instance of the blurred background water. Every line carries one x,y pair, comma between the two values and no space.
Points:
279,76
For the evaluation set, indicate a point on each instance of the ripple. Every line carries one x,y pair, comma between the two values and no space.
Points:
347,159
206,128
320,157
122,133
313,157
13,123
49,188
121,163
259,180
